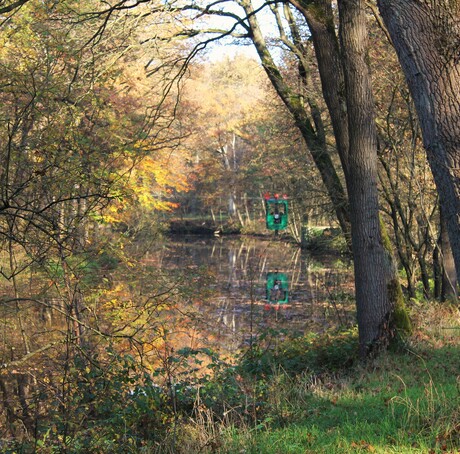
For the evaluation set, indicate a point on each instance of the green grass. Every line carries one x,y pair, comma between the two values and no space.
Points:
405,401
401,403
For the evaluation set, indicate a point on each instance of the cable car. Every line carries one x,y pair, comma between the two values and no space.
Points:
276,210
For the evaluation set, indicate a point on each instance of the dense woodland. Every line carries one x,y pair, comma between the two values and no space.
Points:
121,121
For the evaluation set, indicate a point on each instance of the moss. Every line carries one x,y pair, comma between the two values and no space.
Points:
400,320
385,237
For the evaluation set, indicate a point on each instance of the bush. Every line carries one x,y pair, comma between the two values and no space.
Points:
318,353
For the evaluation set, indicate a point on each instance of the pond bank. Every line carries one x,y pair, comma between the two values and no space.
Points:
316,239
201,227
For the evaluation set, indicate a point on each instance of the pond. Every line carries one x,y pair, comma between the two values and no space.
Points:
233,301
185,292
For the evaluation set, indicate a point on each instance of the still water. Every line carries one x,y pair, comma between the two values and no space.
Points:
233,300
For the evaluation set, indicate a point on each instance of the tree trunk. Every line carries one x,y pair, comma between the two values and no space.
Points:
371,262
293,102
320,20
426,34
448,274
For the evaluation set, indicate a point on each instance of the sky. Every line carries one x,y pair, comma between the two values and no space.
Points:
220,51
222,48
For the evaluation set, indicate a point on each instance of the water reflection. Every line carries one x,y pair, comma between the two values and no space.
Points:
235,308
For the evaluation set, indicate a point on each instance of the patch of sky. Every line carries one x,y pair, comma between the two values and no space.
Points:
226,33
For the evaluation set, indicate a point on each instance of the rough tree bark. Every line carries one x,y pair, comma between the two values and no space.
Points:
372,266
426,36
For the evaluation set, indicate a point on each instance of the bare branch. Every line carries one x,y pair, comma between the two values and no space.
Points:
12,6
25,358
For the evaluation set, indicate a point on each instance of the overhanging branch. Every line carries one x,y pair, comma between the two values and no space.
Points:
12,6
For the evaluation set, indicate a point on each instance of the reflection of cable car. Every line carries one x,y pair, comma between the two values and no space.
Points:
277,288
276,212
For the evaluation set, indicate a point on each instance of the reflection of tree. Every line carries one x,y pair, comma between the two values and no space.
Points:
245,263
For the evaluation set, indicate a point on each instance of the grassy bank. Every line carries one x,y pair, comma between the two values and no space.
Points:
405,401
401,404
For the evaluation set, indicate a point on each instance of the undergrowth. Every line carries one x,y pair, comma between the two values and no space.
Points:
306,394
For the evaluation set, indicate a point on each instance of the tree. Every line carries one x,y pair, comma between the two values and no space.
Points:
78,117
345,79
373,269
426,36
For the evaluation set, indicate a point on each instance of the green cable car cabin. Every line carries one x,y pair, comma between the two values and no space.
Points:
276,212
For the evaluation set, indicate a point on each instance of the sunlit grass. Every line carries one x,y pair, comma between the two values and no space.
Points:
373,411
406,401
